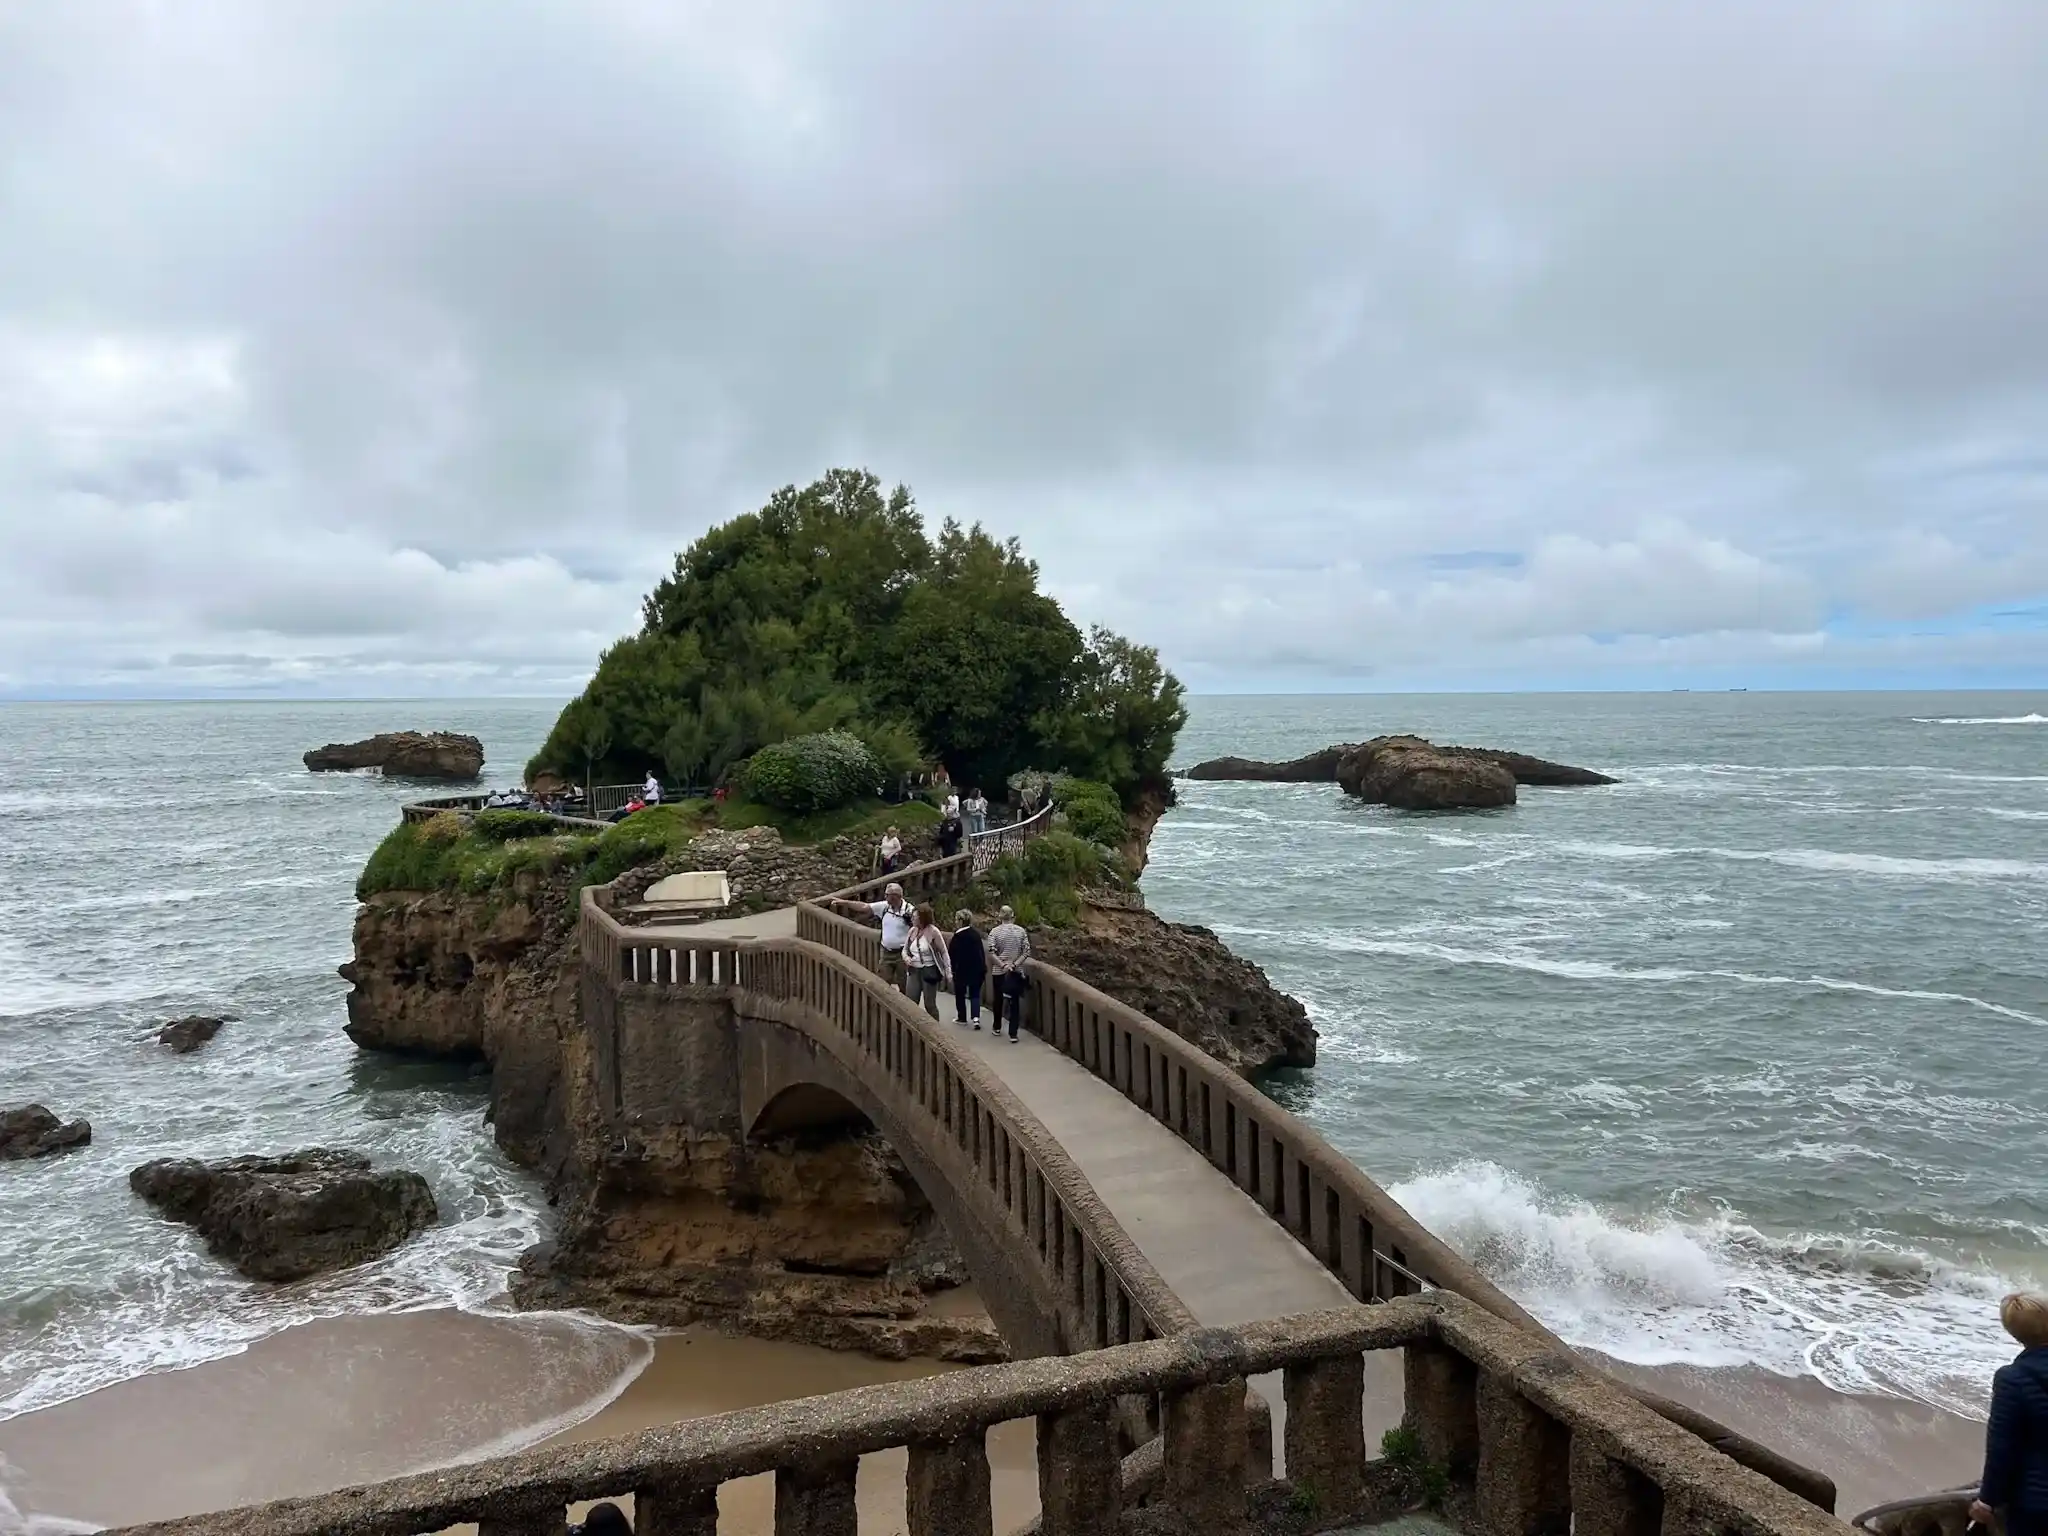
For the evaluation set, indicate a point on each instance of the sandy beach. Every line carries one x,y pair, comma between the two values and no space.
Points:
349,1400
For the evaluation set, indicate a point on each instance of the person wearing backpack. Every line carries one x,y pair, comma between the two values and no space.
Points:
927,963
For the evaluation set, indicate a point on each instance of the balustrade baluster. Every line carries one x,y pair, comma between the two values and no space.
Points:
661,1510
1524,1474
817,1499
946,1488
1441,1394
1203,1442
1611,1498
1080,1483
1325,1435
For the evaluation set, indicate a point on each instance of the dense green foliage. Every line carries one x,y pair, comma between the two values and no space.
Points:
507,826
819,772
832,609
1043,881
1092,810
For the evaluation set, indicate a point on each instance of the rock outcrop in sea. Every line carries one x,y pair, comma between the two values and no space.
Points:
404,755
284,1218
33,1131
1409,773
186,1035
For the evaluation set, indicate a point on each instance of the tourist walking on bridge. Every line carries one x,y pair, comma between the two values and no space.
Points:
970,968
897,917
1009,946
927,963
2015,1481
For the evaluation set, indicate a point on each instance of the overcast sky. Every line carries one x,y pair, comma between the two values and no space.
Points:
395,348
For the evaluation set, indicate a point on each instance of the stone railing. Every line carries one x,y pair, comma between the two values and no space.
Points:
1359,1232
1946,1513
1506,1433
469,805
958,1115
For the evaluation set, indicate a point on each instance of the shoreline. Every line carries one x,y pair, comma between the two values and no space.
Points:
346,1400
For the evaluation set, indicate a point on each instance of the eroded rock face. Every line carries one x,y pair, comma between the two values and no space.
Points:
284,1218
1186,978
821,1242
33,1131
184,1036
1328,765
1413,775
829,1244
404,755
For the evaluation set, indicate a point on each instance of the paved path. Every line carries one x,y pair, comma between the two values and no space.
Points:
778,924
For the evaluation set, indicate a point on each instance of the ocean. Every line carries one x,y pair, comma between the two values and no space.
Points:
1736,1061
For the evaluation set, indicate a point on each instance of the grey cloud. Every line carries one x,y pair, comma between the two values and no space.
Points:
1309,341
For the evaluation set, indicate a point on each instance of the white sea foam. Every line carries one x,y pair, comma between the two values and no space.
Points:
15,1521
2029,719
1822,861
1860,1313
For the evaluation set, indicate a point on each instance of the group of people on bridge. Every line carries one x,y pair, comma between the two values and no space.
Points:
925,961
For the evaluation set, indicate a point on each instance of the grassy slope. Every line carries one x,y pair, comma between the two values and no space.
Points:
419,856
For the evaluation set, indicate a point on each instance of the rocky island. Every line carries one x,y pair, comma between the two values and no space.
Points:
1409,773
465,942
403,755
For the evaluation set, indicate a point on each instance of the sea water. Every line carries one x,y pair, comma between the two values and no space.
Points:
1738,1060
1741,1060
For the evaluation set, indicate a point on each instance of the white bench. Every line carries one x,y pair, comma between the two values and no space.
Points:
694,890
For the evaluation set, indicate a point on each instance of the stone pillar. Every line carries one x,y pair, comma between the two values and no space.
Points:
1524,1481
1258,1438
1326,1432
946,1490
1080,1474
817,1500
1442,1393
535,1520
1203,1438
675,1511
1611,1498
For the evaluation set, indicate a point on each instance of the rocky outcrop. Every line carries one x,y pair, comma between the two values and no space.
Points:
284,1218
823,1241
1186,978
1328,766
186,1035
1316,768
828,1243
1153,801
32,1131
404,755
1412,775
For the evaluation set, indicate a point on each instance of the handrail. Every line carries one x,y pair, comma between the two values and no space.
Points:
1107,1285
1521,1436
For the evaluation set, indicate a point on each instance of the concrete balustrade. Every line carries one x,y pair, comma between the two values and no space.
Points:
1540,1443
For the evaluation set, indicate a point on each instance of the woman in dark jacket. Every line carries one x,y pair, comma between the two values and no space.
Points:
2015,1481
970,969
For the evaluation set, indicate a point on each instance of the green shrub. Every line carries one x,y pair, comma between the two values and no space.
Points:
506,826
1092,810
443,828
641,838
812,773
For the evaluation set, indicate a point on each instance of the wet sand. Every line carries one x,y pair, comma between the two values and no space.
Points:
349,1400
353,1399
1875,1448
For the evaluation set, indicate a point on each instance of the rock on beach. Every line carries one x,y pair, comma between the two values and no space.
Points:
33,1131
284,1218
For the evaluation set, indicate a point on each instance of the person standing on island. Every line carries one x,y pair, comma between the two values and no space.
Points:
927,964
890,854
896,916
975,809
949,837
650,792
2015,1481
970,968
1009,946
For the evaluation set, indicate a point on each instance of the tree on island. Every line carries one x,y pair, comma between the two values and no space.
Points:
832,609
